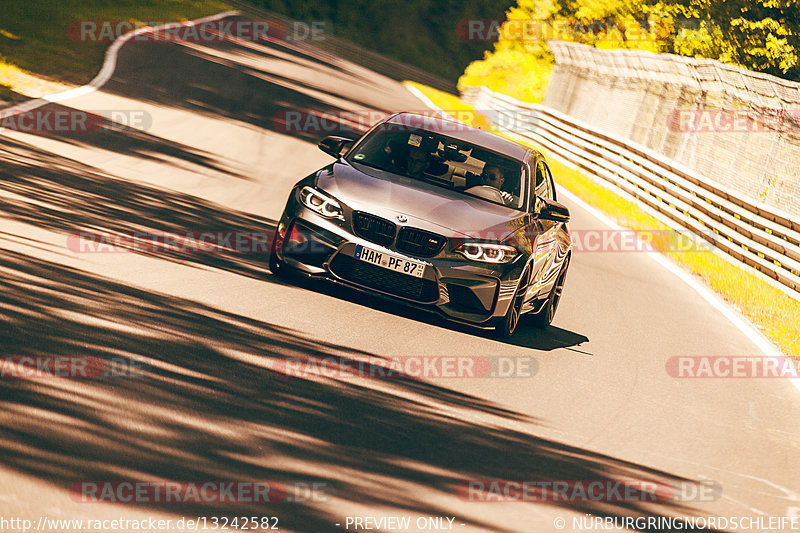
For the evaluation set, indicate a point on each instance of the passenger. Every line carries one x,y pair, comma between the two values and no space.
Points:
389,156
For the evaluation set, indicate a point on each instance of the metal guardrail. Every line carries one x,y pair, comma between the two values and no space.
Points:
391,68
761,237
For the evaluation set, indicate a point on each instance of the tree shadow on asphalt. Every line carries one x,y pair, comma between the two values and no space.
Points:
211,401
306,54
208,400
64,195
213,87
220,87
250,93
100,131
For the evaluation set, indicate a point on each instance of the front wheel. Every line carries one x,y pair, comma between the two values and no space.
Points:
275,264
544,317
509,323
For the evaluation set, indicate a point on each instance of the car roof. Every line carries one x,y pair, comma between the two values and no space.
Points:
462,132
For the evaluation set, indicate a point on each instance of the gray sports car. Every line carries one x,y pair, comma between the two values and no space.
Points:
436,214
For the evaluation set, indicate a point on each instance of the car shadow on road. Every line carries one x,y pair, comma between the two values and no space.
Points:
547,339
527,336
187,392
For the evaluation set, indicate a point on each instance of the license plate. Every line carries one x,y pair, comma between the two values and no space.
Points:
398,264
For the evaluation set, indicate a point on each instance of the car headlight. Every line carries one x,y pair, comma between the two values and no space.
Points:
321,203
488,252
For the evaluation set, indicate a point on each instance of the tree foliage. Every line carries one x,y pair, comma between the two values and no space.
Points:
521,62
760,35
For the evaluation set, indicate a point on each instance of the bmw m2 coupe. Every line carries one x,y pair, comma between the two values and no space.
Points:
436,214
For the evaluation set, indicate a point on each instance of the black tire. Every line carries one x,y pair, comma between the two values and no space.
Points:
275,264
544,317
508,325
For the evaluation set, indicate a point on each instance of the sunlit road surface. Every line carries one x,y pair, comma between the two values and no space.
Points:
205,337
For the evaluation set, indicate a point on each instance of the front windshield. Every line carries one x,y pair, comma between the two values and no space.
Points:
447,162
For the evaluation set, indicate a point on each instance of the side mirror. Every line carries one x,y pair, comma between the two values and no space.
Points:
334,146
551,210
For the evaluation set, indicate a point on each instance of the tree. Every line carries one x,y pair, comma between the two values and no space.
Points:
759,35
521,62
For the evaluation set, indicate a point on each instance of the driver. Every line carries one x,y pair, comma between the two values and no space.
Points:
416,163
492,176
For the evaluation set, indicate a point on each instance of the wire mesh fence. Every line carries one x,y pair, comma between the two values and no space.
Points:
736,127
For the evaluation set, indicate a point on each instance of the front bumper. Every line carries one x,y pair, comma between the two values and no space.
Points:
459,289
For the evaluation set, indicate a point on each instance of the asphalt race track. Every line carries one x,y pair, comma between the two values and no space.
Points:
209,331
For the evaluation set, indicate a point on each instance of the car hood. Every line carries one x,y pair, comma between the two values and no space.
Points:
425,205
